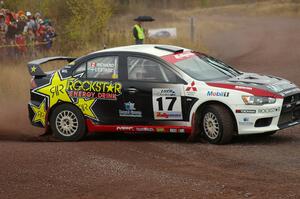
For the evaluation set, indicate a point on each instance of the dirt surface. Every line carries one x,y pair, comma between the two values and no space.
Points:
165,166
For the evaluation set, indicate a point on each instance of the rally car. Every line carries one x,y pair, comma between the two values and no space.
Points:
158,89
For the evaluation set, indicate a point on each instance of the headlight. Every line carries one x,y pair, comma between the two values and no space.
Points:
256,100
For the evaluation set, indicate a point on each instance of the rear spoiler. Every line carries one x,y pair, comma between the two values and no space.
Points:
35,68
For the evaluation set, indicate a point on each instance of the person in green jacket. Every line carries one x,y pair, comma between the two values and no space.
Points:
138,32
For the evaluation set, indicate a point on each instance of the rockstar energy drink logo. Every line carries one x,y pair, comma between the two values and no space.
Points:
94,89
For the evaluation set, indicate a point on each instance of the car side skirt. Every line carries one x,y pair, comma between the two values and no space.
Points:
94,128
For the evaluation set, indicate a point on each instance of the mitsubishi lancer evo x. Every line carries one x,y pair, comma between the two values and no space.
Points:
158,89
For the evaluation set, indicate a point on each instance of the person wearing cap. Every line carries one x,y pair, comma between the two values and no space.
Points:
31,23
138,32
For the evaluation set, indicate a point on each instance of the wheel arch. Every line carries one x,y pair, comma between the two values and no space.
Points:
202,106
50,110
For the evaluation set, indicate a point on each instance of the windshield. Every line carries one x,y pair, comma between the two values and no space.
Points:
206,68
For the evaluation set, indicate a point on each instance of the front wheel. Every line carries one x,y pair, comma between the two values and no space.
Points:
67,123
217,124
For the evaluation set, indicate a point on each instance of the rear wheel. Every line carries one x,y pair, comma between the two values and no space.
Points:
217,124
67,123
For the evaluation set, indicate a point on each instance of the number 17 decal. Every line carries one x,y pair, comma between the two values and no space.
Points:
166,104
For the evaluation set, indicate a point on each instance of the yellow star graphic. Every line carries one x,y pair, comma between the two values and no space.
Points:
86,107
33,69
110,88
39,113
55,90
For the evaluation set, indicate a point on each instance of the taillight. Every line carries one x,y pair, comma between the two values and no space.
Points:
32,83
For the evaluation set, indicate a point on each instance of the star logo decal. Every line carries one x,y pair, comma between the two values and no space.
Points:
110,88
33,69
39,112
86,107
55,90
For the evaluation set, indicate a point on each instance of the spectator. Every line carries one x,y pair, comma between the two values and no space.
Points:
21,33
3,29
31,22
11,32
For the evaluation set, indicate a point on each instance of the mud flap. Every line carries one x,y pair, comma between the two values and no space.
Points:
195,134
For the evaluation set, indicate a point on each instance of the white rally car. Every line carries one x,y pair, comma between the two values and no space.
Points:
159,88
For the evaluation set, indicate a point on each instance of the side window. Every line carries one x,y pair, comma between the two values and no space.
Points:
147,70
103,67
80,69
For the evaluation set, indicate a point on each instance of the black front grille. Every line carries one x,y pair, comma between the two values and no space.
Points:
290,109
291,99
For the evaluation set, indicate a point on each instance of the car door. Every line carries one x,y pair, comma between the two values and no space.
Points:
98,88
152,92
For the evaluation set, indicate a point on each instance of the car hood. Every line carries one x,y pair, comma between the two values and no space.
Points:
265,82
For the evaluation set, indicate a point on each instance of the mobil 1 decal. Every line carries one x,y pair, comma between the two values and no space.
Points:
167,104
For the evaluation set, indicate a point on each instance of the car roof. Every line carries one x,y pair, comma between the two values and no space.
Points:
152,49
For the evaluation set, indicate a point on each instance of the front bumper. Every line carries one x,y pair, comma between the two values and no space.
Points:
260,119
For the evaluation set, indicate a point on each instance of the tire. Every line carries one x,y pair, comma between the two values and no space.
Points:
217,124
67,123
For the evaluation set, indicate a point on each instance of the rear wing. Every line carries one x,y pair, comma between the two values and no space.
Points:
34,66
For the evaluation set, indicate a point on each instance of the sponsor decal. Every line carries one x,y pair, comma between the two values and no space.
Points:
254,91
33,69
94,89
245,111
39,113
129,111
168,115
125,128
191,87
269,110
243,88
102,67
144,129
86,92
184,55
246,122
55,90
217,93
173,130
181,131
166,92
173,58
86,107
160,130
167,103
